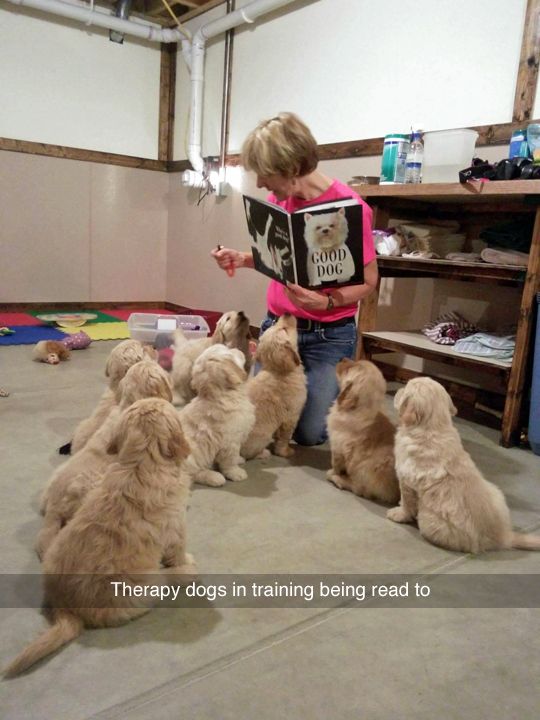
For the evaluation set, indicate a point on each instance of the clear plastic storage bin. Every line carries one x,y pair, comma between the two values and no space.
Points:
147,327
446,152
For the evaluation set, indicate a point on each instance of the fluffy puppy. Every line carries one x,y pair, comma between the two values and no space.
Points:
121,358
218,421
50,351
232,330
441,487
361,436
127,527
70,483
278,391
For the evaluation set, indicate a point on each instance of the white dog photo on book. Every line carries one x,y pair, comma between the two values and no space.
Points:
329,258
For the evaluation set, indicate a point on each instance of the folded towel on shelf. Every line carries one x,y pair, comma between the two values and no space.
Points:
448,328
498,256
464,257
500,347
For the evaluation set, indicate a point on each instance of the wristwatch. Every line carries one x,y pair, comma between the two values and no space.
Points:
330,305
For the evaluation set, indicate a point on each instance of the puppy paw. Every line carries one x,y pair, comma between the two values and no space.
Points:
335,479
398,514
283,451
264,454
210,477
236,474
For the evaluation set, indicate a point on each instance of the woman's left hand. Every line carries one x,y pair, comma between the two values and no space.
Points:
306,299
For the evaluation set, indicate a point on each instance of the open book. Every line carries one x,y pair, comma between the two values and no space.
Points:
316,247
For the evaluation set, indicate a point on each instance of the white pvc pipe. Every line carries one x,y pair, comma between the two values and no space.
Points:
91,16
246,14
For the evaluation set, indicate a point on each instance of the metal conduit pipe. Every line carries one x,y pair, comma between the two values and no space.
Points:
247,14
89,16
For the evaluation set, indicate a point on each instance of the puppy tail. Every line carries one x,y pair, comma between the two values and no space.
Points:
525,542
66,628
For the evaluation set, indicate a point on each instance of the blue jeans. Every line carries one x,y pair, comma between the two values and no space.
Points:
320,349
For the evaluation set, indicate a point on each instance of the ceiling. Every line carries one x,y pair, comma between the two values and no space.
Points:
155,10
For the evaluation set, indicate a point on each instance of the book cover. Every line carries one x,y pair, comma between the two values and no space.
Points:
316,247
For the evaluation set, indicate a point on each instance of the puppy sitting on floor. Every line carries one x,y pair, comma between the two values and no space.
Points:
120,359
361,436
232,330
278,391
128,526
441,487
71,482
217,421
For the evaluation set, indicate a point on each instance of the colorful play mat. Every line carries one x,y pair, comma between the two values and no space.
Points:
27,328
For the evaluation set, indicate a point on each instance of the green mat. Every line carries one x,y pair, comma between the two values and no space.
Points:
100,316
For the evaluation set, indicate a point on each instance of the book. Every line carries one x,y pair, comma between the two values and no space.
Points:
316,247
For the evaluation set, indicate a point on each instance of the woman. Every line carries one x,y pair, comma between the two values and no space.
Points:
283,153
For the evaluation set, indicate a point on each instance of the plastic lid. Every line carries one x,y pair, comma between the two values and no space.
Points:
397,136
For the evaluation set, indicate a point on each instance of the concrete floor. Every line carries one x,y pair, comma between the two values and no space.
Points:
343,662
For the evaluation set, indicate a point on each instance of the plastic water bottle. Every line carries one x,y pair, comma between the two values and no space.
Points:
415,157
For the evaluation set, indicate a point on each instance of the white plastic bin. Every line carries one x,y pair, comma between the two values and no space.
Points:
146,327
446,152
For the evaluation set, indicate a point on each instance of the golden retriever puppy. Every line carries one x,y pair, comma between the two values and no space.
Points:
278,391
232,330
128,525
121,358
218,421
361,436
71,481
441,487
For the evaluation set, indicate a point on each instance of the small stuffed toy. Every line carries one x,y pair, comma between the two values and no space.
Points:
77,341
50,351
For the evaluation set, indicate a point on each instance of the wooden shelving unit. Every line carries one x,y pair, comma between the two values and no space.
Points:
483,204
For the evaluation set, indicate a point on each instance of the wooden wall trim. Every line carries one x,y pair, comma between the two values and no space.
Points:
69,153
167,92
528,64
496,134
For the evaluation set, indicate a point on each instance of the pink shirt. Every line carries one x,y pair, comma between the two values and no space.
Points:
277,301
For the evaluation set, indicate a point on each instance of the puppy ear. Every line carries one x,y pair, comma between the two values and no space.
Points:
408,413
308,216
150,351
172,444
451,407
234,375
347,398
398,398
343,365
112,447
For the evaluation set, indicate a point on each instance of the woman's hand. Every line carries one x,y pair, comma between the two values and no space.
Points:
229,259
306,299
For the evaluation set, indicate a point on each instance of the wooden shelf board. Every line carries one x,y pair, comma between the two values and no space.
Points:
485,192
415,343
406,267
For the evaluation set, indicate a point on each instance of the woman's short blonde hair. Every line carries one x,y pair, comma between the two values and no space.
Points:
282,146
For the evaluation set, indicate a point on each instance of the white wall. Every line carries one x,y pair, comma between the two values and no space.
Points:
64,84
80,231
357,69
